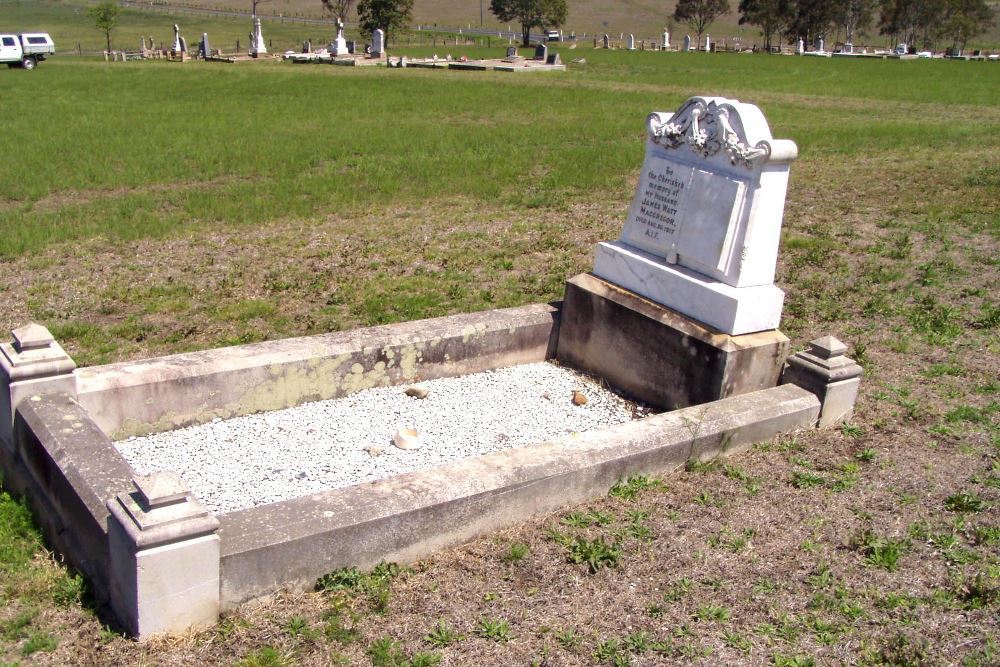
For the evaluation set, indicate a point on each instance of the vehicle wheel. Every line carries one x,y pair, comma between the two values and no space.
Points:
28,63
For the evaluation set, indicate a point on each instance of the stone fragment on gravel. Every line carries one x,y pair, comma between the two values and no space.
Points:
417,391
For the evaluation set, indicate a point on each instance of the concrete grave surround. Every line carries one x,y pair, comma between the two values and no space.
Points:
166,564
702,233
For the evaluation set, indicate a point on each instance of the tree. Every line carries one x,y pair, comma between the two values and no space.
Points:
772,16
339,8
531,14
105,16
854,15
966,19
389,15
813,19
699,14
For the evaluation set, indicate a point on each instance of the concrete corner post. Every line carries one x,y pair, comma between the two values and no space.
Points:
32,364
164,552
824,370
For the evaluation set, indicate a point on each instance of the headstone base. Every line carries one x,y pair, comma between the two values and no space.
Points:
658,355
730,310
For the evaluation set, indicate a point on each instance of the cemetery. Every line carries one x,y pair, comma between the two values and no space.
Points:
589,369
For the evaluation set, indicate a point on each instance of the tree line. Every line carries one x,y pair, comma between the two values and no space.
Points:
923,23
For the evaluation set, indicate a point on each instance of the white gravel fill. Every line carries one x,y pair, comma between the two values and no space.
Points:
247,461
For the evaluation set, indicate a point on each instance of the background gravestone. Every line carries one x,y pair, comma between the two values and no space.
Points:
378,42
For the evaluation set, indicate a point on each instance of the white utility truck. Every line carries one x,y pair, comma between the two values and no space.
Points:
25,50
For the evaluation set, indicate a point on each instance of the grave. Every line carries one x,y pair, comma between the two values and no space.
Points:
257,45
687,43
339,45
165,562
378,43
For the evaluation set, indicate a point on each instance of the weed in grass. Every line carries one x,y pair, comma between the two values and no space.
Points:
706,499
655,610
852,611
737,641
988,656
516,552
68,589
964,502
866,455
386,652
375,585
803,480
421,659
972,414
267,656
595,553
712,613
678,590
493,629
736,473
41,642
780,660
607,650
631,488
901,649
880,551
788,628
986,535
297,626
701,467
979,591
559,537
16,628
852,431
940,323
824,631
637,642
335,629
569,639
583,520
107,635
823,578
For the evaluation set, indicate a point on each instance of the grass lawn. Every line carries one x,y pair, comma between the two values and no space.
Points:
154,208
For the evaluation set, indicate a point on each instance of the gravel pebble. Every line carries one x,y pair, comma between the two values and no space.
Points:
243,462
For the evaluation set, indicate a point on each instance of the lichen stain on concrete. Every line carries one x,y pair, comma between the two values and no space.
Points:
359,379
294,385
408,361
472,331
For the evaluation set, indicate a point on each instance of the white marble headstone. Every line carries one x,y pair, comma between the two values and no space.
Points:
378,41
702,232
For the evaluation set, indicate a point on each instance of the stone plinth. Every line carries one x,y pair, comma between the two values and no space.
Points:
729,309
834,378
164,554
32,364
657,354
